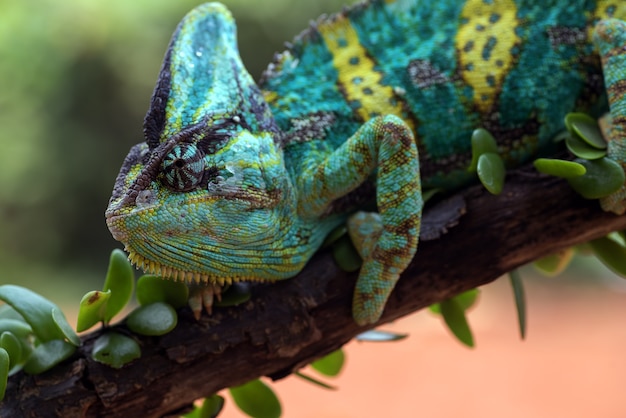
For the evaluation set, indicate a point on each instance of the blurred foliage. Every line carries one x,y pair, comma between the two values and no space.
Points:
75,82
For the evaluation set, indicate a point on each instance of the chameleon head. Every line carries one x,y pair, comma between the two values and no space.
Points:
206,197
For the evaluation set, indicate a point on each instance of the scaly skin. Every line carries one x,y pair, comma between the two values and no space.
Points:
239,181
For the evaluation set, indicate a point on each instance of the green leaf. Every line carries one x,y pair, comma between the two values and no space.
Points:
520,300
120,281
12,345
331,364
604,176
4,372
581,149
155,319
334,235
115,350
611,254
375,335
454,317
465,300
345,255
491,172
555,263
59,319
91,309
236,294
583,249
585,127
482,143
6,311
152,289
47,355
210,408
559,168
256,399
315,381
428,194
44,317
23,332
18,328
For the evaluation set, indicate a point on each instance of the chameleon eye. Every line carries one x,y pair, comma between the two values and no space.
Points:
183,167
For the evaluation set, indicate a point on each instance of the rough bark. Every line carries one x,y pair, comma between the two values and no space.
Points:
286,325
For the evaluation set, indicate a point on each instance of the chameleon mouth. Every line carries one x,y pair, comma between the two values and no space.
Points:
172,273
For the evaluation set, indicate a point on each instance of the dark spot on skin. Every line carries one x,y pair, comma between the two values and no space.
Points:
494,18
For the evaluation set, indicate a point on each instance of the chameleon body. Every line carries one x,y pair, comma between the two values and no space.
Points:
243,181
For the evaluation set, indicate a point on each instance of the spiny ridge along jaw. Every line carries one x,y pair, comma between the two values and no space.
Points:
171,273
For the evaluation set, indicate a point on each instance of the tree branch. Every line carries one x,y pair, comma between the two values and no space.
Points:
287,325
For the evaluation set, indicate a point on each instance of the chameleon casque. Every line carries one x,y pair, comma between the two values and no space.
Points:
238,180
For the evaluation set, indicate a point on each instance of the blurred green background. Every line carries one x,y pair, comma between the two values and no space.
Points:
75,81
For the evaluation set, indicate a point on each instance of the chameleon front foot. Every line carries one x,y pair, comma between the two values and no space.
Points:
202,296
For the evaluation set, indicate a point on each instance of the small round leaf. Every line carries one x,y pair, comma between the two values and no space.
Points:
6,311
555,263
491,172
586,128
331,364
47,355
120,281
4,372
334,235
256,399
465,300
482,142
151,288
155,319
559,168
115,350
581,149
61,321
92,309
22,331
603,177
18,328
345,255
611,254
454,317
211,406
38,312
12,345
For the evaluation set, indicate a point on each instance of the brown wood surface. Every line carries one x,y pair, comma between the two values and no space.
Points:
289,324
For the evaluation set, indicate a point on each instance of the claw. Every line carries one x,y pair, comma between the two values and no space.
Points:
202,296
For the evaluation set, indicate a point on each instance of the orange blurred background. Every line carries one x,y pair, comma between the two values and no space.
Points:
571,364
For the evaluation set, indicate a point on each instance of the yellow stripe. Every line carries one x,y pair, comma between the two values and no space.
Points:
360,81
483,44
606,9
